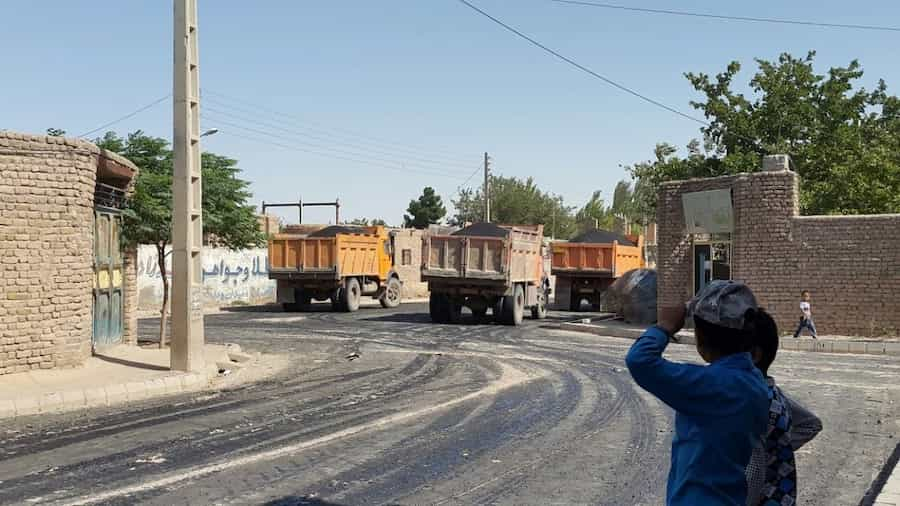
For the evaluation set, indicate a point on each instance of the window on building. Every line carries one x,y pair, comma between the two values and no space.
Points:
406,257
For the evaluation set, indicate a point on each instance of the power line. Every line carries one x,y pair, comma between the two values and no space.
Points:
279,126
129,115
477,169
433,153
732,18
289,147
327,150
582,67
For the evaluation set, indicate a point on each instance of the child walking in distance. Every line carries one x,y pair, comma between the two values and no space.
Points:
772,473
806,321
721,408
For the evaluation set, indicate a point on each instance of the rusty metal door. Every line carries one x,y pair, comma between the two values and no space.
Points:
108,279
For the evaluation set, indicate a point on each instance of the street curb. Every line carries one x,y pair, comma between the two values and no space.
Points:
786,343
109,395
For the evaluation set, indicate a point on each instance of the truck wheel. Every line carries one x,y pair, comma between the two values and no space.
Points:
514,306
337,300
539,310
437,308
351,295
575,303
392,293
304,300
454,311
498,310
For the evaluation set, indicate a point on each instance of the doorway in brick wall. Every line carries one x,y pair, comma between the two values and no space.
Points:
109,273
711,259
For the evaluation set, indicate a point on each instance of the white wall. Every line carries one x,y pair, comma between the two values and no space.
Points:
228,277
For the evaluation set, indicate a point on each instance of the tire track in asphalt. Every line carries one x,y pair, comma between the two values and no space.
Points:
110,466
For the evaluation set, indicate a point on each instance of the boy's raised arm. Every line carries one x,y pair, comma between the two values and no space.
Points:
687,388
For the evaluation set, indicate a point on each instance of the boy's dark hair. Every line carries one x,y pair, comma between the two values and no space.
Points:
804,292
765,338
724,340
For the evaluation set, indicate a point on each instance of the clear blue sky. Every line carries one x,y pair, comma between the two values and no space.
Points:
423,75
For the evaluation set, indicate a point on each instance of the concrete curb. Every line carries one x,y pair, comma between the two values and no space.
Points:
889,348
109,395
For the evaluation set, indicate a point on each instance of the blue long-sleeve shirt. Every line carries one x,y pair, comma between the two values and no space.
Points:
721,411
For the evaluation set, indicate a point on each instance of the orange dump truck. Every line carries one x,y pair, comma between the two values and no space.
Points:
486,266
337,263
585,266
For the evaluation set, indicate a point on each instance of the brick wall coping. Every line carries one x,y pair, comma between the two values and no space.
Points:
16,140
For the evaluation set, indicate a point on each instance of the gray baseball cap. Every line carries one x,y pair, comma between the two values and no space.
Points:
723,303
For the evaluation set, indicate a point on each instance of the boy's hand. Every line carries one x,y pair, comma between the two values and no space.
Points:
671,318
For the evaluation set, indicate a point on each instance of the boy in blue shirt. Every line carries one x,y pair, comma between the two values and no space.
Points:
722,408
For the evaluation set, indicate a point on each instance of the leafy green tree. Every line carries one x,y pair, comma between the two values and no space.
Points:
428,209
516,201
595,213
844,140
623,209
365,222
227,218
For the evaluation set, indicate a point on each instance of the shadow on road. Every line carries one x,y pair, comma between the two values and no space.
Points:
425,318
261,308
305,501
130,363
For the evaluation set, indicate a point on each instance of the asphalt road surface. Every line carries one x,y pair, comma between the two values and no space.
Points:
428,414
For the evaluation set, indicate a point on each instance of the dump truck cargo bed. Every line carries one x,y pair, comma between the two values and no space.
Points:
585,270
340,256
595,259
513,256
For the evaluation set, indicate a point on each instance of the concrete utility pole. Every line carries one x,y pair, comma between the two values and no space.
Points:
487,188
187,221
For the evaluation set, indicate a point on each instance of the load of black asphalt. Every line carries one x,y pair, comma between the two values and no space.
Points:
483,230
600,236
334,230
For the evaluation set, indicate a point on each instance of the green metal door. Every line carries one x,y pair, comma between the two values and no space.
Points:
108,279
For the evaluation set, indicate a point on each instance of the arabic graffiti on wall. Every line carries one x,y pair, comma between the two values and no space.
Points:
229,277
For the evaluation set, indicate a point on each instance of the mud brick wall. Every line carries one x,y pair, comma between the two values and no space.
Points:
47,189
408,261
46,249
850,264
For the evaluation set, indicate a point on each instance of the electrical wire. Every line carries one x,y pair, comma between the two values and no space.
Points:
602,78
326,151
582,67
127,116
291,147
280,127
731,18
470,177
355,136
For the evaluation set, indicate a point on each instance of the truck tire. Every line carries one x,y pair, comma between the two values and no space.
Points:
539,310
514,306
337,300
454,311
575,302
392,294
498,310
302,302
351,294
438,307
